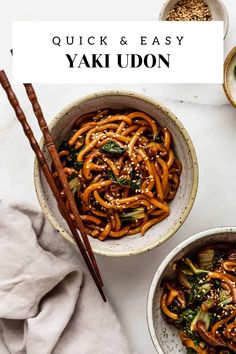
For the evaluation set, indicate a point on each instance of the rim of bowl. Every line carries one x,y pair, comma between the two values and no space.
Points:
177,225
221,4
192,239
227,91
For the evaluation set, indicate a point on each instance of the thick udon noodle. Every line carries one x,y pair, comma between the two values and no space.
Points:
122,170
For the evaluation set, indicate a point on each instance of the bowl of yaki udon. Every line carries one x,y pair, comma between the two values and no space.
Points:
192,299
131,167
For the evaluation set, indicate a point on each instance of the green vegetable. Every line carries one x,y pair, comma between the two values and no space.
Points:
203,316
121,181
186,319
187,271
206,258
196,342
137,213
135,185
74,184
199,290
198,293
223,295
72,158
112,148
195,270
124,182
225,302
225,299
235,71
187,315
73,153
135,179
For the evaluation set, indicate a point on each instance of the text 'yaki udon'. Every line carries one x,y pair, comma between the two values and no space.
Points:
122,171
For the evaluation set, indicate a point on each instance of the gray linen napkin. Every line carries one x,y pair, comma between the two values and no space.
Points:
45,306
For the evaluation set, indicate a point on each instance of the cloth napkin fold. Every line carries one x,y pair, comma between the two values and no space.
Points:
46,305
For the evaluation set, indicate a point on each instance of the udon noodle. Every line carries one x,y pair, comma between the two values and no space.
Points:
122,170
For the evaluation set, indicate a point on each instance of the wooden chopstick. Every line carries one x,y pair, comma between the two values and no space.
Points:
61,174
59,168
48,175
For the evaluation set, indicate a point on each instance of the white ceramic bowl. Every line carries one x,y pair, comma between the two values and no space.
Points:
217,9
164,336
229,84
180,206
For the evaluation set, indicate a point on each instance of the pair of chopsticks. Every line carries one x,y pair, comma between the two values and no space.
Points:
81,238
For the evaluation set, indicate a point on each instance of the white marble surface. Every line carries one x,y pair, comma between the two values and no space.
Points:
204,111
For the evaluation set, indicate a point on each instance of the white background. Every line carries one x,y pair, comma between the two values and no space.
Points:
204,111
199,58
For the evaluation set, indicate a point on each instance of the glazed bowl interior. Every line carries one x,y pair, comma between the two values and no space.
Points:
61,127
164,336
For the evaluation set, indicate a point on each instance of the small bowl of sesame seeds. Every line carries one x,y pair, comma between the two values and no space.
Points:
213,244
180,205
195,10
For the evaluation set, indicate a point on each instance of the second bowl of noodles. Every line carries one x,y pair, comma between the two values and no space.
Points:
131,166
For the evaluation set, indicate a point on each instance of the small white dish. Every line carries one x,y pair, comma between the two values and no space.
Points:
164,336
230,76
217,9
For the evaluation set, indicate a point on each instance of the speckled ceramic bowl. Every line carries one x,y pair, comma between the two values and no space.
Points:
229,84
180,206
164,336
217,9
